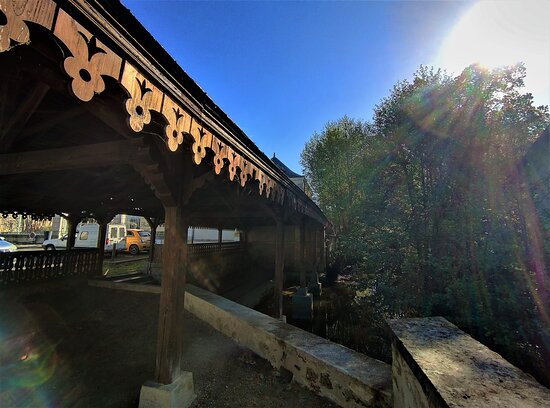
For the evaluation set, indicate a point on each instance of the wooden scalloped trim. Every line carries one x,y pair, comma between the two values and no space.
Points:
144,97
179,123
202,140
90,59
18,13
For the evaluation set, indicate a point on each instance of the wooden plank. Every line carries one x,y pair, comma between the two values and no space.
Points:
65,158
170,327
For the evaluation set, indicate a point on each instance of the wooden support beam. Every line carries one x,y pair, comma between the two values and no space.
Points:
302,252
55,117
66,158
72,224
322,257
19,119
315,253
160,182
279,267
153,223
175,264
101,237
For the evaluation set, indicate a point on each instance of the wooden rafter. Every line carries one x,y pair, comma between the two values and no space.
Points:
75,157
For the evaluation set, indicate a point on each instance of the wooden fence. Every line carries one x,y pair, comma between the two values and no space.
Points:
33,266
212,248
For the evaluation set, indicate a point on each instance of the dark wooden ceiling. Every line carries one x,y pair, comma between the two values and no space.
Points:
38,114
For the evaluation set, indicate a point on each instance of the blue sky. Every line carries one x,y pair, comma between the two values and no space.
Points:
281,70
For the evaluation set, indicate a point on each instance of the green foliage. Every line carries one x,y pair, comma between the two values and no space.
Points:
432,208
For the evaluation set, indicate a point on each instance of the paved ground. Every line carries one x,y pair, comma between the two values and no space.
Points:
70,345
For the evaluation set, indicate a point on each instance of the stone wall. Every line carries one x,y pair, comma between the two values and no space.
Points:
435,364
342,375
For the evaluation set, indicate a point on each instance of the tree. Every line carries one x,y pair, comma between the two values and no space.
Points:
433,212
333,160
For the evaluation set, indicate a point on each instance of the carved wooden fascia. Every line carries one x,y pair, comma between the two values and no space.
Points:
88,61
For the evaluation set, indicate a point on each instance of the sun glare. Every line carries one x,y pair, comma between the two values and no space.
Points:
497,33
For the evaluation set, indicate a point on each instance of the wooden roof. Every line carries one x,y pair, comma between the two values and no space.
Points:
122,114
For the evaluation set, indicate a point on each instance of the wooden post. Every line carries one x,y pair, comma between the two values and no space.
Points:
71,237
101,237
279,266
153,223
170,329
220,236
302,253
323,261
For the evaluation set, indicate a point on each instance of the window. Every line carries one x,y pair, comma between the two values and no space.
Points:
129,233
84,235
144,234
121,232
113,232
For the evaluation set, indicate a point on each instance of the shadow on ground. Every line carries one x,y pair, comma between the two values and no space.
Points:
66,344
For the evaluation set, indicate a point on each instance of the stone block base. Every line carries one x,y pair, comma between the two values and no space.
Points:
179,394
302,305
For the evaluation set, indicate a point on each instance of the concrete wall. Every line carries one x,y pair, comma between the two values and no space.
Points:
342,375
435,364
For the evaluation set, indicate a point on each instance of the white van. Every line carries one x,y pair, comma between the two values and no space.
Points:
86,237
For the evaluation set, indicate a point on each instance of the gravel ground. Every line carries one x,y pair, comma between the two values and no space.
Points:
66,344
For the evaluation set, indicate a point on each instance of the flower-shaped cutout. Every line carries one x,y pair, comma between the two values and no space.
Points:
175,128
220,154
15,28
245,171
137,106
268,187
84,68
90,60
199,151
233,164
261,180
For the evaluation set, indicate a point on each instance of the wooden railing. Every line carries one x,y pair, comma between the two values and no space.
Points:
33,266
211,248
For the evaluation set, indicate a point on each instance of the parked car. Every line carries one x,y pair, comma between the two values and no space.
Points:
86,237
137,241
6,246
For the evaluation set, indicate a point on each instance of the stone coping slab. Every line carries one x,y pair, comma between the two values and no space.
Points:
455,370
346,377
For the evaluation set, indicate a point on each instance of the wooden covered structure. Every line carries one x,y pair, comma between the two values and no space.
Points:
97,119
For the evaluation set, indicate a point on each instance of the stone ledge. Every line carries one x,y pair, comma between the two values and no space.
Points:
342,375
348,378
453,369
